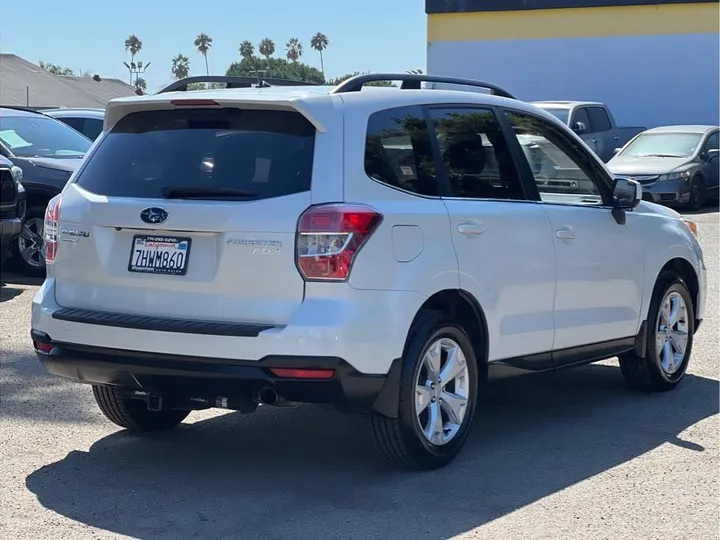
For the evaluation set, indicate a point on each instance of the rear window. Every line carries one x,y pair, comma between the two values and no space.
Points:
207,153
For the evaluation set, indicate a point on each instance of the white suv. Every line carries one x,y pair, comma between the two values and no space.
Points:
380,249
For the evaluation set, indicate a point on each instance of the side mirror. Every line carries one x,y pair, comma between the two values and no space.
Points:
579,127
616,151
627,193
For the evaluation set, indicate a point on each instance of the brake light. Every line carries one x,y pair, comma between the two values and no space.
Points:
194,103
330,236
52,221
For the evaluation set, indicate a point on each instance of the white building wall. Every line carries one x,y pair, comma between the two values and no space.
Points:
645,80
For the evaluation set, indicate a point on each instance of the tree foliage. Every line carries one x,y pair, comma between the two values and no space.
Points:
180,66
293,49
141,84
55,69
203,43
277,68
267,47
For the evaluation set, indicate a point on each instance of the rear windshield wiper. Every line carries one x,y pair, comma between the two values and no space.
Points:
661,155
207,193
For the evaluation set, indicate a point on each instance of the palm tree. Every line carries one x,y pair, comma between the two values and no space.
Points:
134,46
320,42
415,71
203,43
180,66
140,84
293,49
247,50
267,48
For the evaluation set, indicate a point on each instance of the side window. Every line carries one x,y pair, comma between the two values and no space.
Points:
563,171
713,141
93,128
75,123
398,152
581,116
476,155
599,119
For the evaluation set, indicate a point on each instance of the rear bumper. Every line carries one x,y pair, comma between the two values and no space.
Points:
208,379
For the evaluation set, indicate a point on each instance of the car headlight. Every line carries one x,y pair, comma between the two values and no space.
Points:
674,176
17,174
693,226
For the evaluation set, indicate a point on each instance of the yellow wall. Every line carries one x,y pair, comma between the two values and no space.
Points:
701,18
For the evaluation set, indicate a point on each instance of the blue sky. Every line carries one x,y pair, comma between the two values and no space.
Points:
89,35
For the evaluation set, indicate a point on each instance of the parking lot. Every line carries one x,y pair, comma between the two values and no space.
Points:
568,455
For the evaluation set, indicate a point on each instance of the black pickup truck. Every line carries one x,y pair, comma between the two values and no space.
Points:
12,205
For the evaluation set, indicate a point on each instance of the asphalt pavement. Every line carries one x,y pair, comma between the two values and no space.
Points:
573,455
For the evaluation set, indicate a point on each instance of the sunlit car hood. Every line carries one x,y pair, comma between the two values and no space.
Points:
62,164
645,165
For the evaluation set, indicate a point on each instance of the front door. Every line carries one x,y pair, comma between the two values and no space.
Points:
503,241
598,258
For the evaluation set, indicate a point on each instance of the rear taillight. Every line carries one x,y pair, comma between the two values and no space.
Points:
52,221
329,237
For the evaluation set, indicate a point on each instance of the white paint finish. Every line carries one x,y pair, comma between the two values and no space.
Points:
510,269
599,275
644,80
407,242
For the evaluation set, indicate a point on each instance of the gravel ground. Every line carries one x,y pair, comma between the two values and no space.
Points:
565,456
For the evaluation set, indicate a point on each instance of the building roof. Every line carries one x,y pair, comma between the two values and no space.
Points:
26,84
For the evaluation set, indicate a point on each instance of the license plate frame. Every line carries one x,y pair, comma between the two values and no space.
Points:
171,269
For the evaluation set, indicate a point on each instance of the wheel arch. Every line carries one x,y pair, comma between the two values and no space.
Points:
686,271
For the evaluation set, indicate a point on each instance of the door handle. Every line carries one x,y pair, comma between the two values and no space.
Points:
470,228
594,140
616,137
565,233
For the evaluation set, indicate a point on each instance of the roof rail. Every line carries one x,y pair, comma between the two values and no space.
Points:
25,108
232,82
412,82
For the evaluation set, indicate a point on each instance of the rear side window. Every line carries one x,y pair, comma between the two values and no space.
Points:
92,128
211,153
398,153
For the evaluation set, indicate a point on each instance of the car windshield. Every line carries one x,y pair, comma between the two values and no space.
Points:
558,112
40,136
663,145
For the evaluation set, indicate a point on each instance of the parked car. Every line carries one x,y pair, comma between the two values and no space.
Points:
89,122
593,122
47,151
240,247
676,165
12,205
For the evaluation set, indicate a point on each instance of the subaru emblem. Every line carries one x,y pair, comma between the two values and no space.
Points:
154,215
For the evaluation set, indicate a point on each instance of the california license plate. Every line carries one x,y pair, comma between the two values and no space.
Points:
159,255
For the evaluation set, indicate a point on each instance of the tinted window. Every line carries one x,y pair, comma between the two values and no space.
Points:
149,154
75,123
31,136
562,169
92,128
581,115
397,150
475,154
599,119
663,145
557,112
713,141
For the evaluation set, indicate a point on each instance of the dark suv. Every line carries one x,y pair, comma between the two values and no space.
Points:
47,151
12,205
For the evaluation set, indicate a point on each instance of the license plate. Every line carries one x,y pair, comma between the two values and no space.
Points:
159,255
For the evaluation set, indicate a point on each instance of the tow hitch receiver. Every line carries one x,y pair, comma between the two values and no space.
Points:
154,403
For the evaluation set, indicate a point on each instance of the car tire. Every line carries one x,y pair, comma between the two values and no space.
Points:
34,217
662,369
133,414
433,339
698,195
3,256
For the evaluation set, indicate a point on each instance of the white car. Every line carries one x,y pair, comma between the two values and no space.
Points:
380,249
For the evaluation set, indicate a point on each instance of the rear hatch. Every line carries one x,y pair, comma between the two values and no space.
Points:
189,213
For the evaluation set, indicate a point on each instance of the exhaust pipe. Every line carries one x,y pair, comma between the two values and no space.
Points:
268,396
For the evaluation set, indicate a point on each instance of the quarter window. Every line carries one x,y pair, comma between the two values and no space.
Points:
562,169
475,154
599,119
398,152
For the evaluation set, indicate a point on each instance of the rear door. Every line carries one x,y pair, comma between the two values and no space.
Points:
189,213
503,241
605,138
580,115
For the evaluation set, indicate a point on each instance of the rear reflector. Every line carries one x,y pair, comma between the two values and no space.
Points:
42,347
288,373
194,103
